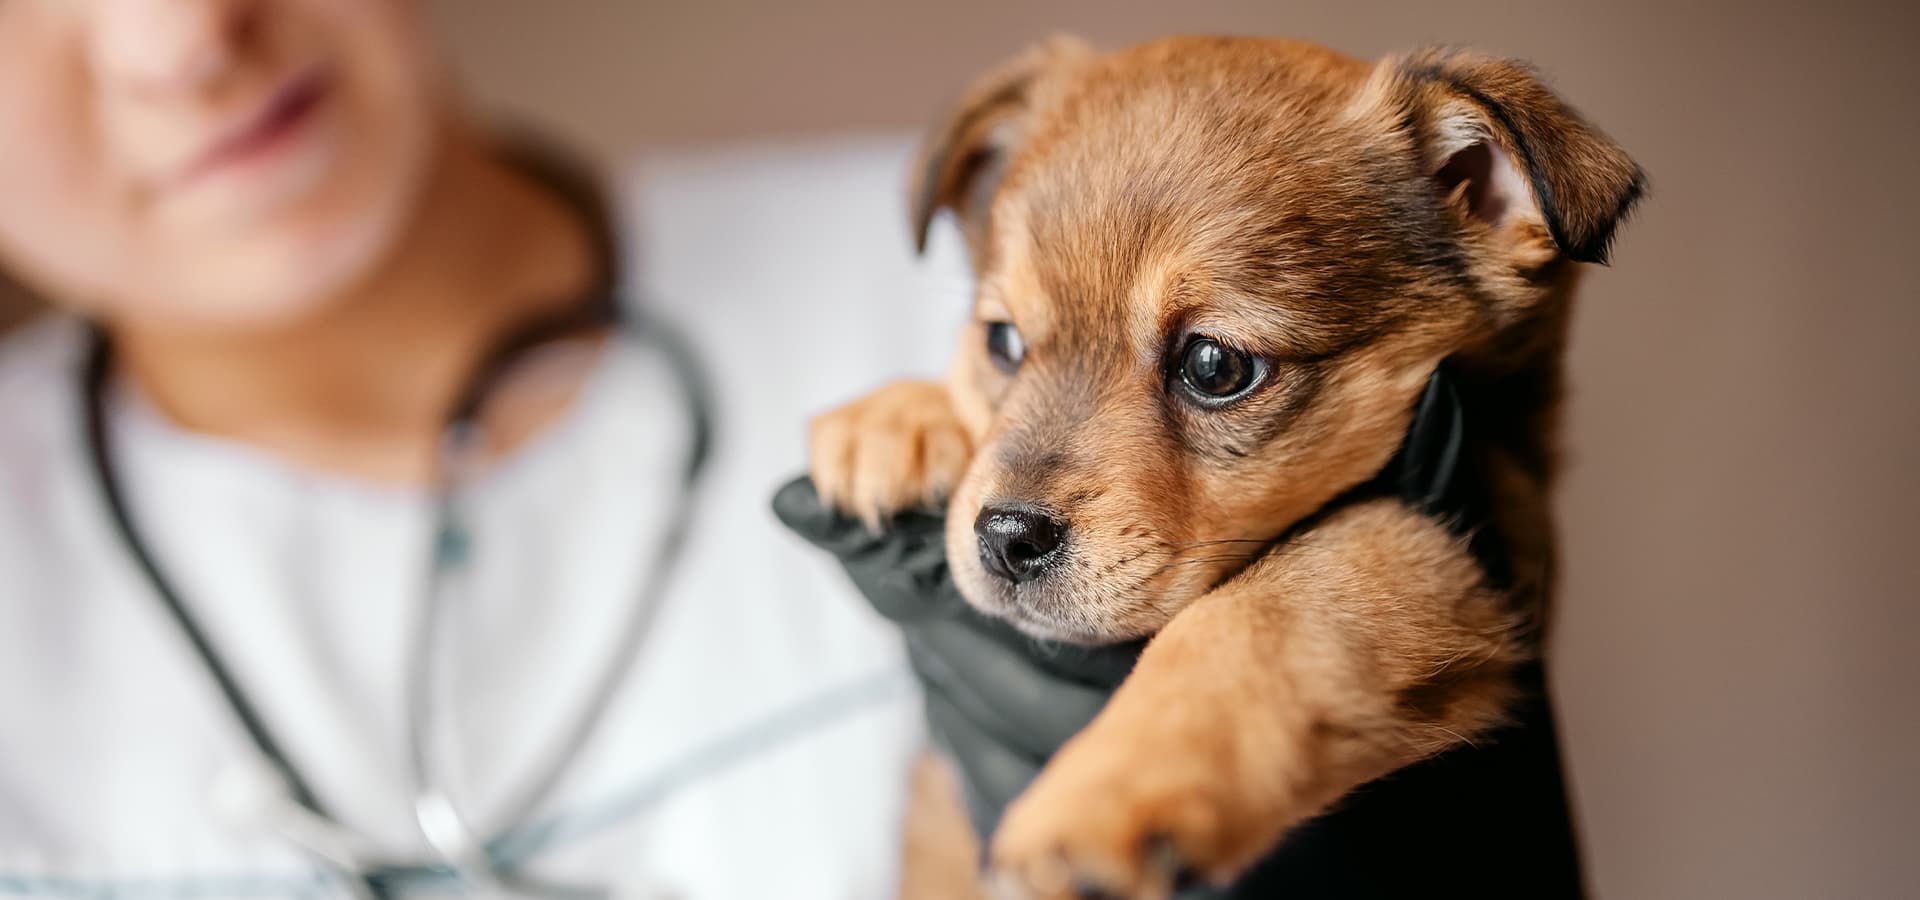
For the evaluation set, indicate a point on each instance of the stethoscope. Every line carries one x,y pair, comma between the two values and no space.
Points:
281,797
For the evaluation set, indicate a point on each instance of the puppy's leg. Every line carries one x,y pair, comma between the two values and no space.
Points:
940,857
896,448
1361,646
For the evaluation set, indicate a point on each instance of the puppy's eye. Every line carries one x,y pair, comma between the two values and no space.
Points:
1215,373
1004,346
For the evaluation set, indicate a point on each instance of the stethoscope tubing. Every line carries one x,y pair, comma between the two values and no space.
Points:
459,846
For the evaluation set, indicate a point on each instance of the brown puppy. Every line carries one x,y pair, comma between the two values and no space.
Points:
1213,277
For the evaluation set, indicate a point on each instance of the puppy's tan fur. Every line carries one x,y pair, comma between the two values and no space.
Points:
1351,226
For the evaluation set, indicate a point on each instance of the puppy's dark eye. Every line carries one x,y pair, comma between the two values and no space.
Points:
1215,373
1004,346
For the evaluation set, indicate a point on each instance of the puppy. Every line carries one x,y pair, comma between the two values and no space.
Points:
1214,276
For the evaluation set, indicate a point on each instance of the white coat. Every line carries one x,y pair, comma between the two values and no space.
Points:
760,746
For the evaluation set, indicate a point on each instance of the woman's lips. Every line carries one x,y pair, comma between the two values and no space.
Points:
271,128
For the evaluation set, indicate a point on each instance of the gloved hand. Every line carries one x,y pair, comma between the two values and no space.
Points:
999,703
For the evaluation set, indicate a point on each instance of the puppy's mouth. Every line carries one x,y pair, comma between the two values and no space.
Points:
1052,628
1084,602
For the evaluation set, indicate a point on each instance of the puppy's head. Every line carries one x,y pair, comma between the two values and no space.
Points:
1213,276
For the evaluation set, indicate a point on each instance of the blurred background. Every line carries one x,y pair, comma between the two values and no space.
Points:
1736,642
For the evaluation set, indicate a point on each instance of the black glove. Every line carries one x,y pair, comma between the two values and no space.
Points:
999,703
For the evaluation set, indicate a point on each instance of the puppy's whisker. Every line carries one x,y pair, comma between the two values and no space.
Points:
1228,557
1456,736
1252,540
1235,557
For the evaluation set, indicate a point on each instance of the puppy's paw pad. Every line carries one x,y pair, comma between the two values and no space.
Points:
898,448
1113,837
1087,873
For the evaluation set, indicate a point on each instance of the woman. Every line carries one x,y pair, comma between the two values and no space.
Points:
221,514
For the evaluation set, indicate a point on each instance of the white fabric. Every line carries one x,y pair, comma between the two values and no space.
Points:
759,748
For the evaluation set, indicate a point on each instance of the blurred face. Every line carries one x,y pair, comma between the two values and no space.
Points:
223,163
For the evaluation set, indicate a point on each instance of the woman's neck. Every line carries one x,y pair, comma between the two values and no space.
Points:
362,388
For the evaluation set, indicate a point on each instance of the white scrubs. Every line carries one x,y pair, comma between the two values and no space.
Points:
759,748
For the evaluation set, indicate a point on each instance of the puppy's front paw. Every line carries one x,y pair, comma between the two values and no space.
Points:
899,447
1115,819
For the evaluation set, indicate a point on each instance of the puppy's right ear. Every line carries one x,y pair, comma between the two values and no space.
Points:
1509,149
962,161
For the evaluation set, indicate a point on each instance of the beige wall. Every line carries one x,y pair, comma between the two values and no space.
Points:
1740,611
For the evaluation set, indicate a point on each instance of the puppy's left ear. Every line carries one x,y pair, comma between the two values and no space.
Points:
963,158
1506,151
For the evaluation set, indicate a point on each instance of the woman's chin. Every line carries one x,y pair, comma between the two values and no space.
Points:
281,274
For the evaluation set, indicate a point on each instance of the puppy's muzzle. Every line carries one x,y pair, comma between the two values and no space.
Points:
1019,542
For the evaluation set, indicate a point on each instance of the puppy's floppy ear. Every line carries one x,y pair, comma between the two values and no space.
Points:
1490,131
961,163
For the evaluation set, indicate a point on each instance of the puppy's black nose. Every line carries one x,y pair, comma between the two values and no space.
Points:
1018,542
